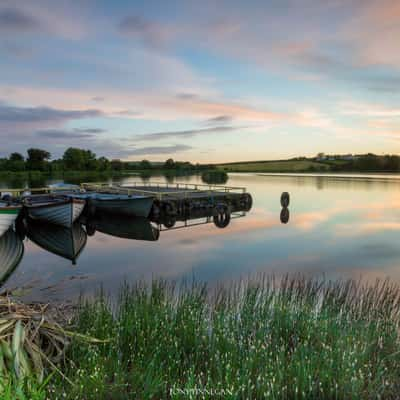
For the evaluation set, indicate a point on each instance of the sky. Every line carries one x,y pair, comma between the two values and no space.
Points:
202,81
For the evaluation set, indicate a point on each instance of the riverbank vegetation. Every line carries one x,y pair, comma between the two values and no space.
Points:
82,160
75,162
296,338
215,177
80,165
320,163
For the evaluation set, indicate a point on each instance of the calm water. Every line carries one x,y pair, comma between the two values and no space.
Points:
338,227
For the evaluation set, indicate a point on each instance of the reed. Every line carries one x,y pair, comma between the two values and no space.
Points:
294,338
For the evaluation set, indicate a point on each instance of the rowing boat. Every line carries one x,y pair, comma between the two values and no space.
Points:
8,214
56,209
121,204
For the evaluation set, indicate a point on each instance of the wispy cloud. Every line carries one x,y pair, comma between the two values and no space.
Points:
369,110
150,105
62,19
220,120
14,114
77,133
151,150
16,20
185,133
151,33
62,134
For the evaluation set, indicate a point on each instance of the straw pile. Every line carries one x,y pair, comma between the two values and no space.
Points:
31,341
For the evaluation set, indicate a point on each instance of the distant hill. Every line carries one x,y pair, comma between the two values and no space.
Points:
275,166
322,163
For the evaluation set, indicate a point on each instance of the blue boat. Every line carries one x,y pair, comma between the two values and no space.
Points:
56,209
115,203
121,204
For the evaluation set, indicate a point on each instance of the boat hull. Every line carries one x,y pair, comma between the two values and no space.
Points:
11,252
139,207
8,215
62,213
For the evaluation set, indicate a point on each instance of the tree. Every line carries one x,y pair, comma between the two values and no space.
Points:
3,164
74,159
37,159
56,166
79,159
90,161
15,162
16,157
145,164
103,164
169,164
117,165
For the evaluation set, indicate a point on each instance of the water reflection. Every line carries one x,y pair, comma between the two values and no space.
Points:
336,227
11,252
137,228
64,242
69,243
284,215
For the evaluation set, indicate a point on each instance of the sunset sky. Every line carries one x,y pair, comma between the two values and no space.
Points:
204,81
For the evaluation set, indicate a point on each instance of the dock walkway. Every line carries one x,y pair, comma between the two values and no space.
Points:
181,198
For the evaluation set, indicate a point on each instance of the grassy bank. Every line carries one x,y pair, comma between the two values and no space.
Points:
276,166
301,340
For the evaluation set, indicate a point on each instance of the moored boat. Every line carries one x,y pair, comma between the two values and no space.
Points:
8,214
122,204
64,242
11,252
56,209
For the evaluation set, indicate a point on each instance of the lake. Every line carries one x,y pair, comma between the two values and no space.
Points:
339,227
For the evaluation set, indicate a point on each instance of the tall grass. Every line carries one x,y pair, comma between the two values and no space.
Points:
292,339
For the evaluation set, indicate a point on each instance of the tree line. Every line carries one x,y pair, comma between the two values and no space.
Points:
75,159
367,163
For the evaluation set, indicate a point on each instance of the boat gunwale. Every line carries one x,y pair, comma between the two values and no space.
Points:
55,203
11,208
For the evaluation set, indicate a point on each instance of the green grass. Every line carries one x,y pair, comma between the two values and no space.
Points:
275,166
301,339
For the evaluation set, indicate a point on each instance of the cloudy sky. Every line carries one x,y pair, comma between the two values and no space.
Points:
203,81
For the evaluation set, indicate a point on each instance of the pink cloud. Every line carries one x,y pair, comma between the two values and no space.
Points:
375,31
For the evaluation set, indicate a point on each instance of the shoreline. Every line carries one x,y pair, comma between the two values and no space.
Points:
342,175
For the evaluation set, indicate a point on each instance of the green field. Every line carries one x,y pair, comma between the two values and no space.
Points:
276,166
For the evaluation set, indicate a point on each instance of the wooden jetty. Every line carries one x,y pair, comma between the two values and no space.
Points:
179,199
169,199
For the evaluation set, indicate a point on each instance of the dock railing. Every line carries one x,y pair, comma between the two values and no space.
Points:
162,190
159,190
27,191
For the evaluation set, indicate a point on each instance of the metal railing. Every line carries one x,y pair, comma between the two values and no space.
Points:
184,190
19,192
178,189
